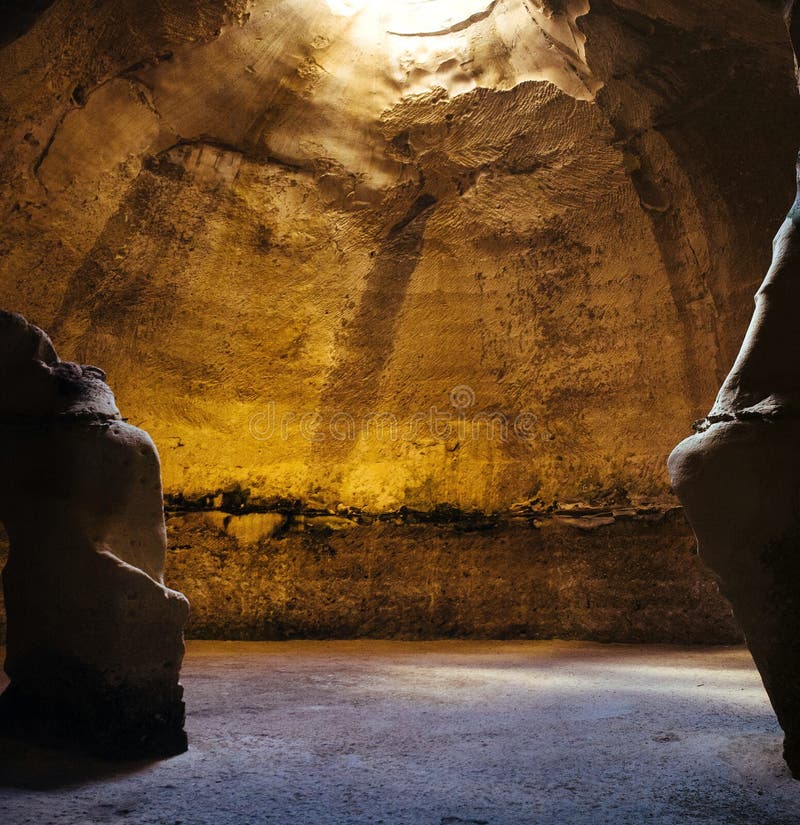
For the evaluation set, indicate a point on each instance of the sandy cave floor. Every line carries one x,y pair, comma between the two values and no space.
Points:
440,733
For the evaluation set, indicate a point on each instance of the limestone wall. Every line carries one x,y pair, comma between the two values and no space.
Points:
508,268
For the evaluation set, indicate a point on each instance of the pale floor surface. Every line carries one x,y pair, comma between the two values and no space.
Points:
442,734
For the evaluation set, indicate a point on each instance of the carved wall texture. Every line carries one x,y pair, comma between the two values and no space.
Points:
336,271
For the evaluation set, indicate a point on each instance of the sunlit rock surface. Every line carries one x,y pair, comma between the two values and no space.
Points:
355,256
95,640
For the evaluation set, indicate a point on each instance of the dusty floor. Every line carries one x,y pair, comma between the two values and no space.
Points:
441,734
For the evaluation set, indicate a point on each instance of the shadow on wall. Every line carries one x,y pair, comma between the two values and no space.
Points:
17,16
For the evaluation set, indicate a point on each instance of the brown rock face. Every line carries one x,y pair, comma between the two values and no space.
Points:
739,480
323,218
429,576
94,639
355,255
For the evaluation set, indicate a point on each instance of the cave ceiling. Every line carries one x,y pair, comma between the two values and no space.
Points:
269,220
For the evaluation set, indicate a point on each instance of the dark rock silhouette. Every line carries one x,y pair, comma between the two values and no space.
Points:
95,639
739,480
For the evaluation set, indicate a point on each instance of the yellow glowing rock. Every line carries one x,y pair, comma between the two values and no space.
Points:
271,235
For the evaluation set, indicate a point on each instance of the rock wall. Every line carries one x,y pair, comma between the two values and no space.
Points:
326,264
425,576
410,575
3,560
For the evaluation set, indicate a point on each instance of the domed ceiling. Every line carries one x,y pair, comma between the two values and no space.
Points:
382,255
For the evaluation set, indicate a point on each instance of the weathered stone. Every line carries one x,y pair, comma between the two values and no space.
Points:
254,214
264,216
637,580
94,639
739,479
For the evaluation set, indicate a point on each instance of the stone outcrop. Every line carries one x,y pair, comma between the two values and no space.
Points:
739,480
94,638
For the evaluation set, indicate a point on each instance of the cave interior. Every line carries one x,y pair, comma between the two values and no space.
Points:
413,301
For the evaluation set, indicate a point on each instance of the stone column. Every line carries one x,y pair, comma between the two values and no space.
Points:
738,478
95,639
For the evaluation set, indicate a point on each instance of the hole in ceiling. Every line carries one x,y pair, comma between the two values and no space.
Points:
420,18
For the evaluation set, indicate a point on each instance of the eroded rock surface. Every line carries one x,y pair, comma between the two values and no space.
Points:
739,480
268,206
94,638
266,210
